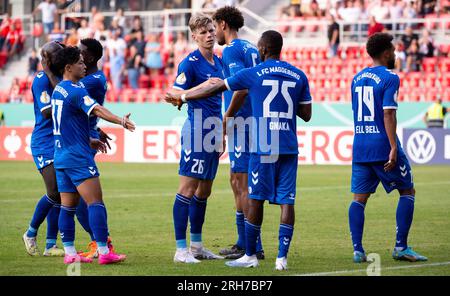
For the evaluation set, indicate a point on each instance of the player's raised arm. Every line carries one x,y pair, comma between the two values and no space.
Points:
105,114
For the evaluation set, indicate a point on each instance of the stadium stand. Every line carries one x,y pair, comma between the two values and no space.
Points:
425,54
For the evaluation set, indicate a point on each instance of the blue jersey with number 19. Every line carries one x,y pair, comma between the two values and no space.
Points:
373,90
276,89
71,107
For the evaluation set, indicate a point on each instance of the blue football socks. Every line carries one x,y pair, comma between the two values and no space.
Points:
240,224
41,211
356,221
180,219
252,232
285,237
197,210
98,222
52,225
404,216
83,217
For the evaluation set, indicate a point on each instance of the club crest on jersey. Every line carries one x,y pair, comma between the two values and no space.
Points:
181,79
45,98
88,101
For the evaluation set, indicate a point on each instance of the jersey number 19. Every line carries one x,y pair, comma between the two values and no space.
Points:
365,94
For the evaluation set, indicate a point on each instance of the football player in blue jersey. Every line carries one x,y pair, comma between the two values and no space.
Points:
199,156
278,92
377,153
76,171
42,151
238,54
96,85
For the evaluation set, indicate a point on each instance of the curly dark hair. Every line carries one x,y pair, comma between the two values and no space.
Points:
94,47
231,16
66,56
378,43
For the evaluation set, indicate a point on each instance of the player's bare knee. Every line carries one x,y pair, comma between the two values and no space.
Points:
410,191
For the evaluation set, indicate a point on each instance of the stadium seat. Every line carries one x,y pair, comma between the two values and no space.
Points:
444,65
413,79
428,64
430,80
431,94
144,81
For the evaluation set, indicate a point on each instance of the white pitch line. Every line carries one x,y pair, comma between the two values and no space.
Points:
364,270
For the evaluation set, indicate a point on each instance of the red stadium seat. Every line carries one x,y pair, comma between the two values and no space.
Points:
428,64
430,80
144,81
431,94
444,65
413,79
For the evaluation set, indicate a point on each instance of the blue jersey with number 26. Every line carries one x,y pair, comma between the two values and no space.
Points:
373,90
276,89
71,107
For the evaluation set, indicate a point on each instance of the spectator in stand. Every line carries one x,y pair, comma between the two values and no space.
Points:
408,37
33,63
351,13
101,32
137,27
114,27
400,57
140,43
84,31
426,44
116,52
49,14
414,58
120,18
294,5
98,19
379,10
333,36
4,30
374,26
396,12
209,4
153,59
72,38
56,35
133,67
180,48
13,40
427,7
15,95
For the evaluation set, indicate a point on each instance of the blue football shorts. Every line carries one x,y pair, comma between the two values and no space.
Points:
273,181
238,151
367,175
68,179
43,160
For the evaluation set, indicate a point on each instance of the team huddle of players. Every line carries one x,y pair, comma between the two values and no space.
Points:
263,96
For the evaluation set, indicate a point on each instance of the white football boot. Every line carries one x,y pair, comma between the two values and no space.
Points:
281,263
245,261
184,256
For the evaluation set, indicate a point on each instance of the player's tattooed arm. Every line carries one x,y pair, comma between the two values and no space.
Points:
390,124
105,114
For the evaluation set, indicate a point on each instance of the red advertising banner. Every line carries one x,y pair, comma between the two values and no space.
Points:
15,144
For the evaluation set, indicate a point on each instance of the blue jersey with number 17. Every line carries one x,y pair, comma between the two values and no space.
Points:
373,90
276,89
71,107
238,55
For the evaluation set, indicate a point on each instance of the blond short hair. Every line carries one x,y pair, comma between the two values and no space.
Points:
199,20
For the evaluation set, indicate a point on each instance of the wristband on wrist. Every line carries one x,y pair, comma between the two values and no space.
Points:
183,98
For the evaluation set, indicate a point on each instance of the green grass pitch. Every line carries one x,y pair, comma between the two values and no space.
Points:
139,199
